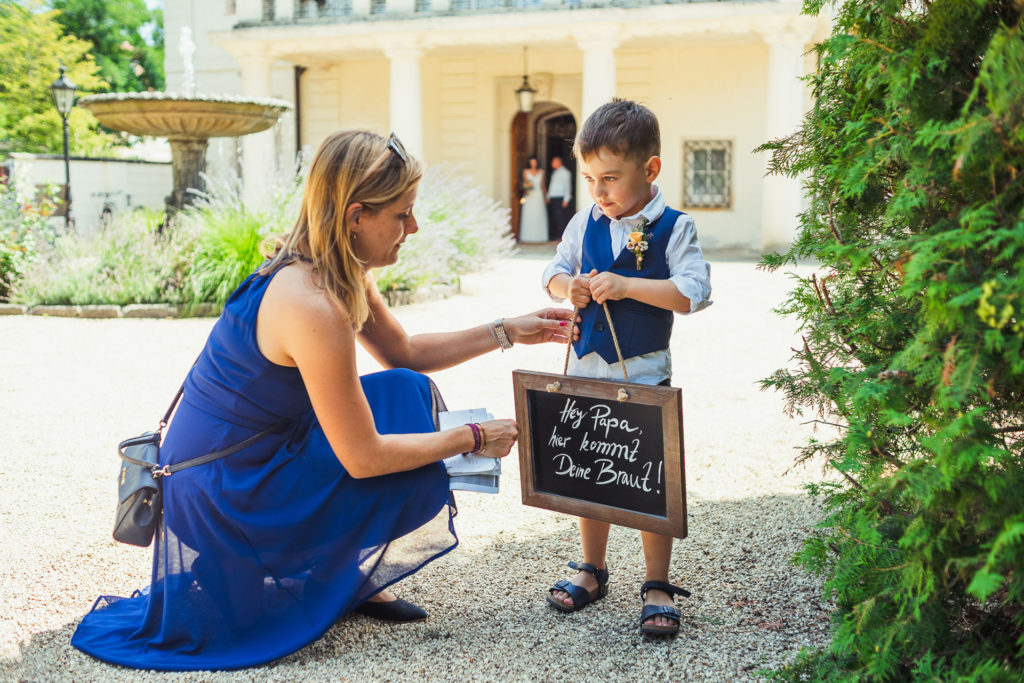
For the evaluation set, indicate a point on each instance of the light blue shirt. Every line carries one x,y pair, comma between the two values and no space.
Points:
560,184
688,271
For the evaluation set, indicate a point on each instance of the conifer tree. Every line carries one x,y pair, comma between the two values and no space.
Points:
913,327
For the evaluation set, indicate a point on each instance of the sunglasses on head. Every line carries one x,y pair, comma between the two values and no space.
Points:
395,145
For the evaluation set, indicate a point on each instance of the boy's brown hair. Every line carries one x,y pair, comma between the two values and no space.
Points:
622,127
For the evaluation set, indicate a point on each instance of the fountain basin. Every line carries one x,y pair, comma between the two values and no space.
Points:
188,122
170,115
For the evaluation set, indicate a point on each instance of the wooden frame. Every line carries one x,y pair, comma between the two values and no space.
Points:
671,520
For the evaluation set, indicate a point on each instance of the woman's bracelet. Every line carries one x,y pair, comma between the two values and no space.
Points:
490,328
478,438
499,333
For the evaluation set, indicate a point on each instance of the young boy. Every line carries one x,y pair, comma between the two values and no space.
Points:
644,278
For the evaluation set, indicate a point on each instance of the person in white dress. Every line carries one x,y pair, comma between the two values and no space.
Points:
533,218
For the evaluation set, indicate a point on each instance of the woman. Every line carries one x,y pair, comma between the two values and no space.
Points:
263,550
533,219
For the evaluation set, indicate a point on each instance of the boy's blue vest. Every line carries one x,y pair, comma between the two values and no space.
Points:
641,328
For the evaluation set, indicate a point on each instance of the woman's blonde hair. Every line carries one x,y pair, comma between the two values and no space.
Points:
350,166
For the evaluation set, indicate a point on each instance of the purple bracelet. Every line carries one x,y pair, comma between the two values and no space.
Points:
477,438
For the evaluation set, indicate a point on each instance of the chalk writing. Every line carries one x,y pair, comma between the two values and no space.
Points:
597,450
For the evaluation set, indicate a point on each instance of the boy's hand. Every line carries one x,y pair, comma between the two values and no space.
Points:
607,286
579,289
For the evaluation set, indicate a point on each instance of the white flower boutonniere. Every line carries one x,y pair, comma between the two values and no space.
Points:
638,242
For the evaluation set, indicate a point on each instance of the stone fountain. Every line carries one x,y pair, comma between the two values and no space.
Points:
187,120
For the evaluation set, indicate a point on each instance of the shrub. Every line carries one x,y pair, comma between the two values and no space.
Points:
128,263
22,223
461,229
210,247
232,231
913,337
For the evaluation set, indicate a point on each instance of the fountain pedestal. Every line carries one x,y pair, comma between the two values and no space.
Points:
189,161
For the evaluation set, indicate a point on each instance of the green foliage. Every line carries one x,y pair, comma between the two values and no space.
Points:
33,50
127,40
130,262
913,335
22,221
232,231
209,248
461,229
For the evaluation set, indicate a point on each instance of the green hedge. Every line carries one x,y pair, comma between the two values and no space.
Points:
913,327
209,248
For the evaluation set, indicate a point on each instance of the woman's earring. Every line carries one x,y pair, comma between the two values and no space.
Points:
355,236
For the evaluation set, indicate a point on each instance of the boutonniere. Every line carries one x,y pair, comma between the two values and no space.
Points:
637,242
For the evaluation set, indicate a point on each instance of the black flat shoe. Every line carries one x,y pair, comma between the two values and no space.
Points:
397,610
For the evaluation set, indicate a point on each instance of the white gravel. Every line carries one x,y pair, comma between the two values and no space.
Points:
71,388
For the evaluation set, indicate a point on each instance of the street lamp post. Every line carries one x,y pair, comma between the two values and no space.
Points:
64,97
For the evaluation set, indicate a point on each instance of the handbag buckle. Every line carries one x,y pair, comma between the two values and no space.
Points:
164,471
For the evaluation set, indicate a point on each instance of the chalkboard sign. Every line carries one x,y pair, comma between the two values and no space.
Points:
602,449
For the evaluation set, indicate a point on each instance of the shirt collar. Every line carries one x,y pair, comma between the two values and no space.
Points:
652,211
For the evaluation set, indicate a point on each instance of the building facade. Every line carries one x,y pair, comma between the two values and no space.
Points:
722,77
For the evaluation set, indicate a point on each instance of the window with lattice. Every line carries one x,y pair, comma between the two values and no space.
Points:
707,181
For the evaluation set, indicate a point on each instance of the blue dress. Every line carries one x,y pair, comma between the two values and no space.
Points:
261,552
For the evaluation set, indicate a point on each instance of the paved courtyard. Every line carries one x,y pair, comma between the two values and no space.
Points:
70,389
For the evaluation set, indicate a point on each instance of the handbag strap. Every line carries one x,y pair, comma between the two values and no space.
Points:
168,470
174,404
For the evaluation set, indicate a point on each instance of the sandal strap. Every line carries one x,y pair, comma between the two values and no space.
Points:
662,586
580,596
659,611
600,574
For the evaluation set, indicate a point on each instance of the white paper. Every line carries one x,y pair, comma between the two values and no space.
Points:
468,472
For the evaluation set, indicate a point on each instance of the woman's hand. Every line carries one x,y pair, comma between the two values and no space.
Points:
498,437
546,325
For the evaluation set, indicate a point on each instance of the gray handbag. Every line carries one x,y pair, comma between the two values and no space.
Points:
139,504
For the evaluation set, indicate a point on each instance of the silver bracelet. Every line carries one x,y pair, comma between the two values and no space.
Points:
490,328
499,332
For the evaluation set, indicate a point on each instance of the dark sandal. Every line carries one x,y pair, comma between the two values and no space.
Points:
581,597
396,610
667,611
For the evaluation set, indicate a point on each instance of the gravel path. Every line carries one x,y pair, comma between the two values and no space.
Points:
70,389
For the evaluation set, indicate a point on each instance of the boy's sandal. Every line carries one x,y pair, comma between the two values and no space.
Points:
667,611
581,597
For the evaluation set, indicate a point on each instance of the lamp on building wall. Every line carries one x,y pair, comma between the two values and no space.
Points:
64,98
525,93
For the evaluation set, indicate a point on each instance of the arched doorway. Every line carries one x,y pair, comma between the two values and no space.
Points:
546,132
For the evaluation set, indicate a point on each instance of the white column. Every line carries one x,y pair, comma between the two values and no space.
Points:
284,10
406,97
785,109
400,7
599,76
249,11
599,82
258,160
360,8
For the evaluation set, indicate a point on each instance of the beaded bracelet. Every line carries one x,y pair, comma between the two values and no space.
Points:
478,442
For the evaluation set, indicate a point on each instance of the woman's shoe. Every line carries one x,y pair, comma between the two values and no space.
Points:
581,597
667,611
396,610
